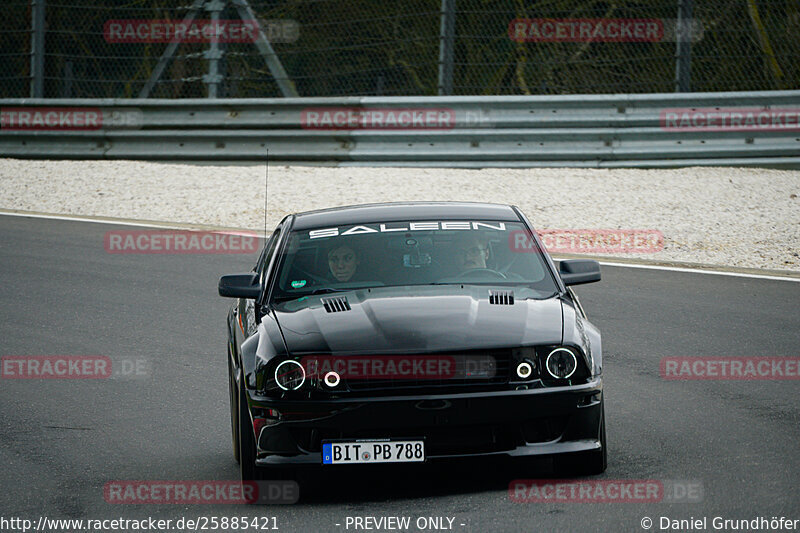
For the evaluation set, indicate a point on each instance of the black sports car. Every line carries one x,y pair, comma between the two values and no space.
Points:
410,332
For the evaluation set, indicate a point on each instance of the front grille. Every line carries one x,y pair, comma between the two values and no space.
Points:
487,369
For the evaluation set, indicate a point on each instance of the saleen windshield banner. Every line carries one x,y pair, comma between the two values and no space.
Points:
405,226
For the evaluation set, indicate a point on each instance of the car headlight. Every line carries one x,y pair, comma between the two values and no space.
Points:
290,375
561,363
524,364
524,370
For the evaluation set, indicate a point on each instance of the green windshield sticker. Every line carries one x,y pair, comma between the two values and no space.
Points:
298,283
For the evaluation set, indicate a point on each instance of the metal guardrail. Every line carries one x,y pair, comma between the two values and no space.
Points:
496,131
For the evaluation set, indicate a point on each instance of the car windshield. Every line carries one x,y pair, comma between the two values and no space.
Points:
357,256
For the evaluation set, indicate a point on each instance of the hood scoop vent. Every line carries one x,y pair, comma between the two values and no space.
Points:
336,305
501,297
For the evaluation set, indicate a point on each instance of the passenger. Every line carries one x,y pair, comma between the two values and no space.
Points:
343,262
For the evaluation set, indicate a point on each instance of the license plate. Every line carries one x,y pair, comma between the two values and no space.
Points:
373,451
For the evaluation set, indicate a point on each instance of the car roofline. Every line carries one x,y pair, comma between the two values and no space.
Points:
404,211
399,204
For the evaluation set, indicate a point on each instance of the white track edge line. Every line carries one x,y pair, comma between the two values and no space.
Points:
699,271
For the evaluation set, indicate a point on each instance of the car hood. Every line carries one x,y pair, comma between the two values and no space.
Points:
423,319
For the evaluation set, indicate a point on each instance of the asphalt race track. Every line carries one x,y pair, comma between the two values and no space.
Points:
62,440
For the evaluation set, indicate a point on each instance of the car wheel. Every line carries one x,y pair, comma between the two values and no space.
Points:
234,407
247,449
586,463
247,441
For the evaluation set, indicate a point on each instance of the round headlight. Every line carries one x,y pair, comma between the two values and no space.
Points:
290,375
524,370
331,379
561,363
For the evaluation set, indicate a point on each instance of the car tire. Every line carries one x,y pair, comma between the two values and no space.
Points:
247,441
247,451
586,463
234,408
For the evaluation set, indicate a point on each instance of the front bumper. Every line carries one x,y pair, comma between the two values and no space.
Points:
507,423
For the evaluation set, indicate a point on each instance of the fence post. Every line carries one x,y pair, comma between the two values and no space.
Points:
446,38
37,48
683,49
213,54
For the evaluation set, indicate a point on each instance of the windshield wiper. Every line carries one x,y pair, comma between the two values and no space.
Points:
321,290
325,290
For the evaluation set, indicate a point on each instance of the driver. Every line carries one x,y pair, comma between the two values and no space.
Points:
342,262
471,252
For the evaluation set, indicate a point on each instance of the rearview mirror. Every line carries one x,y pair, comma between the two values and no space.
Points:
577,271
240,286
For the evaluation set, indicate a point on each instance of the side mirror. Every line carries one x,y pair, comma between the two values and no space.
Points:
577,271
240,286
